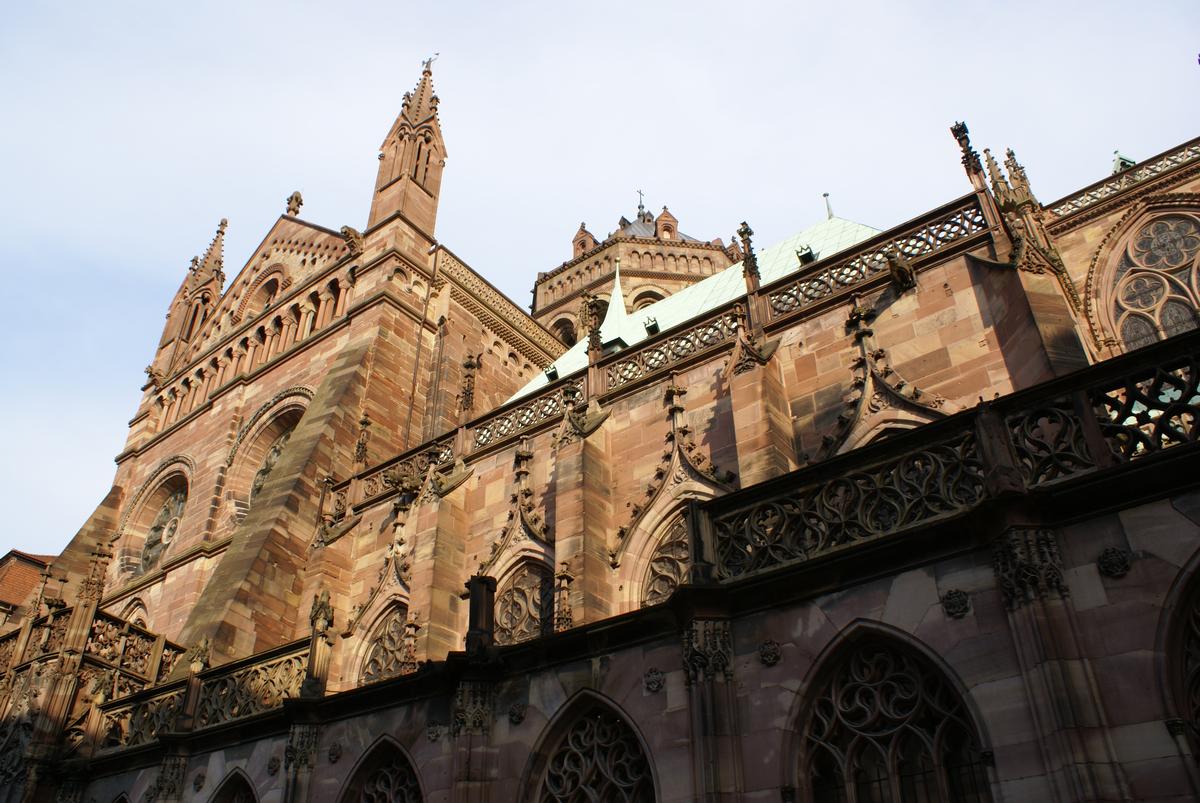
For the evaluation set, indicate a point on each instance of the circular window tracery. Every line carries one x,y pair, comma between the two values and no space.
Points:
1155,287
162,530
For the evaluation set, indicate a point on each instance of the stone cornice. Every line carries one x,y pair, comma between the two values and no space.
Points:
497,310
586,255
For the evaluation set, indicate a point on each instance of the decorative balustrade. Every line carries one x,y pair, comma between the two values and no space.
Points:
510,422
139,720
1138,174
247,688
1126,409
932,233
666,352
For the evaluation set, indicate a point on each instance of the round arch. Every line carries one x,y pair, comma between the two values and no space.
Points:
584,704
796,766
153,517
257,296
384,764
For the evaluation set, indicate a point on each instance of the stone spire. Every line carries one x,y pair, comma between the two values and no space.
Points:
211,265
421,104
411,159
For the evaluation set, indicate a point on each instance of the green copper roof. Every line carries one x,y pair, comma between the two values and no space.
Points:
825,239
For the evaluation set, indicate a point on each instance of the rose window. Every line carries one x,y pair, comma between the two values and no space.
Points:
1155,287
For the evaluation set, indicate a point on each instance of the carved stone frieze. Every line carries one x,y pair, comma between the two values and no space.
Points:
1028,566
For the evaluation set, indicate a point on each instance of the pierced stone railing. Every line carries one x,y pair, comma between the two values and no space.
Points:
1089,196
141,718
932,233
513,421
1125,410
251,687
376,484
663,353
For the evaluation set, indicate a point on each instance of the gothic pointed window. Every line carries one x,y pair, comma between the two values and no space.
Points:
887,727
387,654
599,758
1155,285
1185,660
668,564
163,528
235,789
525,605
386,776
268,463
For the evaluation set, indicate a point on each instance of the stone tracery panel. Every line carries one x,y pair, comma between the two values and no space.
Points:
386,777
525,605
668,564
1154,281
599,758
163,529
885,725
386,654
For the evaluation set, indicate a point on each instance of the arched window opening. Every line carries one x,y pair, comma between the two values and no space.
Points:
564,330
266,295
1155,285
886,724
645,299
525,605
386,654
386,776
668,565
135,613
235,789
599,758
162,514
1184,658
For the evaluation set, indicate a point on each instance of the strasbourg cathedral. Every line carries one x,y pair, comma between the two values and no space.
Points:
860,516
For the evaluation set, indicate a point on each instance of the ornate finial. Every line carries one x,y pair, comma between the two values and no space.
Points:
970,159
1016,174
427,64
294,202
749,260
828,206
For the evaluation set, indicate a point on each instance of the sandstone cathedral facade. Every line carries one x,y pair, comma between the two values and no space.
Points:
861,516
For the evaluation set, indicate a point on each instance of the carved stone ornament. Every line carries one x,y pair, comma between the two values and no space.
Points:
199,781
956,603
516,713
294,202
770,652
1028,567
354,240
273,766
301,746
433,731
472,708
1114,562
335,752
707,650
654,680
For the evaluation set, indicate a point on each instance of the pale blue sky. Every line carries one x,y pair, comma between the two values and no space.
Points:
129,129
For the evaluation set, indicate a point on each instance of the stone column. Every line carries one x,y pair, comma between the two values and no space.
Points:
712,704
1064,703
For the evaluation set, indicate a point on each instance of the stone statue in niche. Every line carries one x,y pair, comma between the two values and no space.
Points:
163,529
268,464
